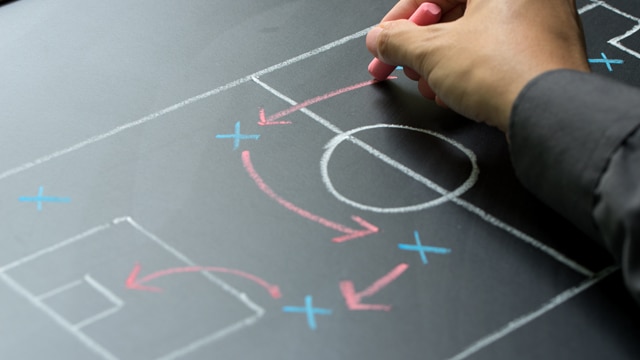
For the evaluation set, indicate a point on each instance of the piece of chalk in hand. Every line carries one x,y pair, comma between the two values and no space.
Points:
426,14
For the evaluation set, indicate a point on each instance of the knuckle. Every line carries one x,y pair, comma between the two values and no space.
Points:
384,41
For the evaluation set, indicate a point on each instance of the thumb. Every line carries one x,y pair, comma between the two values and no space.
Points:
398,42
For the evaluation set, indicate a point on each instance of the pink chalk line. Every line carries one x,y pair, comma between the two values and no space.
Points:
274,119
137,284
353,298
349,233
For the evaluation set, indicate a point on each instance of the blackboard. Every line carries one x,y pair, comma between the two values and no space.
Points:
221,180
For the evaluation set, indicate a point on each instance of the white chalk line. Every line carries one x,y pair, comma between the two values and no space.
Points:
228,288
616,41
113,298
446,194
228,86
305,111
342,136
259,311
53,248
525,319
518,322
209,339
97,317
62,322
590,6
75,329
97,138
174,107
59,290
228,330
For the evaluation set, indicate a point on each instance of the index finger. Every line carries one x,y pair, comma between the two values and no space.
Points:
404,8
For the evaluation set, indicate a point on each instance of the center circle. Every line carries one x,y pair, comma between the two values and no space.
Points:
446,195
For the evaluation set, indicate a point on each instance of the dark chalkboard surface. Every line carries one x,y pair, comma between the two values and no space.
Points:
221,180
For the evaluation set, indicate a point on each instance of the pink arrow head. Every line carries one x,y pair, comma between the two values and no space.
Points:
353,299
133,283
356,234
274,119
347,233
271,120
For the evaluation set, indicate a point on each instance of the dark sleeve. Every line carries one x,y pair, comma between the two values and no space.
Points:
575,144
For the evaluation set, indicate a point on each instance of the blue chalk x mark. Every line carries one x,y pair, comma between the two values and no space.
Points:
606,61
237,136
40,198
309,310
423,250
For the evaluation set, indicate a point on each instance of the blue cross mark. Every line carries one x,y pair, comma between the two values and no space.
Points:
237,136
40,198
423,250
606,61
309,310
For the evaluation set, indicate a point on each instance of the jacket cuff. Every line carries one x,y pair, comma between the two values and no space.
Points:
564,127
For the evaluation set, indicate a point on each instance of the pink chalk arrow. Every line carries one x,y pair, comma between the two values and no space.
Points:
135,283
348,233
354,299
275,118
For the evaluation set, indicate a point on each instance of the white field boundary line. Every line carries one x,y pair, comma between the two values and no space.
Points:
76,329
94,139
514,325
445,193
616,40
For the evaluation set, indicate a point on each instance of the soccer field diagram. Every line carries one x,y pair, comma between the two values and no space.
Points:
95,276
130,279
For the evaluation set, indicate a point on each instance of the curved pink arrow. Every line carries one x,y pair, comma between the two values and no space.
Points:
135,283
349,233
353,298
274,119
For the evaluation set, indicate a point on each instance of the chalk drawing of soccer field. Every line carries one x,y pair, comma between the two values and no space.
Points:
84,293
100,275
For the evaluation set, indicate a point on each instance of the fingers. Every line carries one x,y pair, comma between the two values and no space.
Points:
455,13
388,42
411,74
380,40
372,40
404,8
425,89
440,103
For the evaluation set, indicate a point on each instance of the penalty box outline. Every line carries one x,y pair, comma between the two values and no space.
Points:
76,329
37,301
591,276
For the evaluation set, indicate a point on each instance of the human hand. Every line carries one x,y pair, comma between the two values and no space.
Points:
483,52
